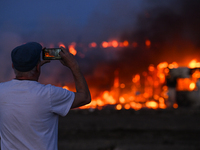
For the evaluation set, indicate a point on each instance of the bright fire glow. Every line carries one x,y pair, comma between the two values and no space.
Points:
108,98
93,45
192,86
61,45
151,68
119,107
126,43
185,84
148,43
104,44
66,87
154,87
173,65
72,49
136,78
196,74
148,90
175,105
115,43
152,104
194,64
137,98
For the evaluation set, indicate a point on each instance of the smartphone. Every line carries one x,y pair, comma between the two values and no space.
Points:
51,54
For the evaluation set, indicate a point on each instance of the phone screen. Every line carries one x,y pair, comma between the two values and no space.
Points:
51,54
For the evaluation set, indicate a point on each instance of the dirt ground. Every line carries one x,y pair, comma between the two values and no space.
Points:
109,129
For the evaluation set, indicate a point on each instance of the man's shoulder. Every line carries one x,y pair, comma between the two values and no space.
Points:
5,83
29,84
49,87
22,83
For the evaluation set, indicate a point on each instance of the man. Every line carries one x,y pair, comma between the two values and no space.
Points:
29,110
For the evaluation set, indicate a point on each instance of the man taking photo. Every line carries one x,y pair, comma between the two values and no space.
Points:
29,111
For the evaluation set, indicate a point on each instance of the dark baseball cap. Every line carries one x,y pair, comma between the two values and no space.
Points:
25,57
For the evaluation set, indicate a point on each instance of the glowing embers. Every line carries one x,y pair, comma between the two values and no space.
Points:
196,74
104,44
92,45
148,43
107,98
72,49
125,44
65,87
185,84
147,91
114,44
189,83
152,104
61,45
194,64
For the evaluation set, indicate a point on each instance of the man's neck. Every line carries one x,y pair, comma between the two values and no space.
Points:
26,78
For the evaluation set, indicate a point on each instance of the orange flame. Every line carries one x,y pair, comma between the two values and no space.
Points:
61,45
148,43
104,44
185,84
173,65
194,64
66,87
153,88
93,45
72,49
196,74
152,104
126,43
150,93
115,43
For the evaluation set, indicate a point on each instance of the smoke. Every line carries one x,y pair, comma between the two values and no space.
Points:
174,34
172,28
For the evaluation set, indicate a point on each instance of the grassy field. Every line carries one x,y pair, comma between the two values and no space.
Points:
108,129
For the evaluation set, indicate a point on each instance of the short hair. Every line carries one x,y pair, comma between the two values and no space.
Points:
27,73
23,74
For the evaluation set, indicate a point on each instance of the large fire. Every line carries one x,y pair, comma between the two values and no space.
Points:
148,90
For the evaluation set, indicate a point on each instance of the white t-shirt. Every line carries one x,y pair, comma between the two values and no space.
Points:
29,114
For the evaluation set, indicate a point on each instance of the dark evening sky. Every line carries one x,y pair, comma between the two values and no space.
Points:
69,20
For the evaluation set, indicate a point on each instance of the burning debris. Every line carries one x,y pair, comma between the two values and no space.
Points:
184,85
162,86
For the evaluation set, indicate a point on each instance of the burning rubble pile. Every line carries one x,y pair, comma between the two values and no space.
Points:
163,86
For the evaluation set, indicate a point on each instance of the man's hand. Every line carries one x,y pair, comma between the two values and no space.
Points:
68,59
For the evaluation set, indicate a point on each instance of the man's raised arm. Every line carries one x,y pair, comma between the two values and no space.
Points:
82,94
